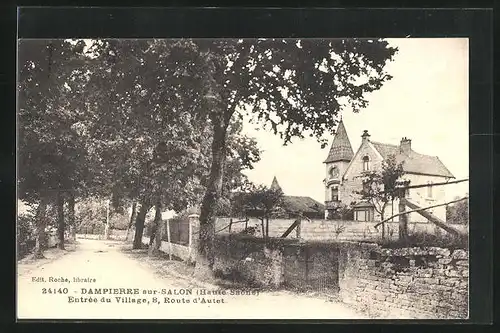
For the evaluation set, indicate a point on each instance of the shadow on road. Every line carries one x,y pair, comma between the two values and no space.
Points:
164,267
29,263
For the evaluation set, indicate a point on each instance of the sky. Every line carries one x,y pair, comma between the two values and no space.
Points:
426,101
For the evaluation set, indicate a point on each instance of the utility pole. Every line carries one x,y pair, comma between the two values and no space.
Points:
403,218
106,227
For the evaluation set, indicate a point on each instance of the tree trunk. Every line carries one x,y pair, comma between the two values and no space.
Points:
139,225
267,227
383,225
205,256
60,220
220,118
263,228
41,224
392,210
132,217
71,215
154,244
159,236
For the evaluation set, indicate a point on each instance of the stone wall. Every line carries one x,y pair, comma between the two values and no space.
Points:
311,266
412,283
277,262
248,259
334,230
314,230
408,283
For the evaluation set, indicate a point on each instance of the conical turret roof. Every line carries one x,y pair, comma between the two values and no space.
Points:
275,185
341,149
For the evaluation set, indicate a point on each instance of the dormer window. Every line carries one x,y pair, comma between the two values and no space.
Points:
366,163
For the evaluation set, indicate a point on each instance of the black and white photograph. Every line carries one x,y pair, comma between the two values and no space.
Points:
243,178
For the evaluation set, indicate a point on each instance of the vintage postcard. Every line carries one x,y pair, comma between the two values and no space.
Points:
243,178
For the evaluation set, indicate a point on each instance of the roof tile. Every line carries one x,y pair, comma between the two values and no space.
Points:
341,149
302,204
414,162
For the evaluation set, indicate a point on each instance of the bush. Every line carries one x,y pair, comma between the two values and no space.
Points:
25,234
344,213
421,239
119,221
458,213
90,217
25,228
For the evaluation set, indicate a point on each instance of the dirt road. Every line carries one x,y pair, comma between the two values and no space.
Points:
127,289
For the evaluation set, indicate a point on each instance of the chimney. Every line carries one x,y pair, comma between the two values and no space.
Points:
405,146
365,136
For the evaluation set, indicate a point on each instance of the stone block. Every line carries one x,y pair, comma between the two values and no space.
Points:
405,278
460,254
403,296
445,307
424,271
380,296
436,288
425,275
445,261
439,271
435,251
422,290
430,280
452,273
459,297
457,315
394,287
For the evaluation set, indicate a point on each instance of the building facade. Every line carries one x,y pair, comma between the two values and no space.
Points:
344,169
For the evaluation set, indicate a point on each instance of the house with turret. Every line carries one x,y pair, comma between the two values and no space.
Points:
344,168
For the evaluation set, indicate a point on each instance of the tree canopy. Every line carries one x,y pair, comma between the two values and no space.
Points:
293,87
162,120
